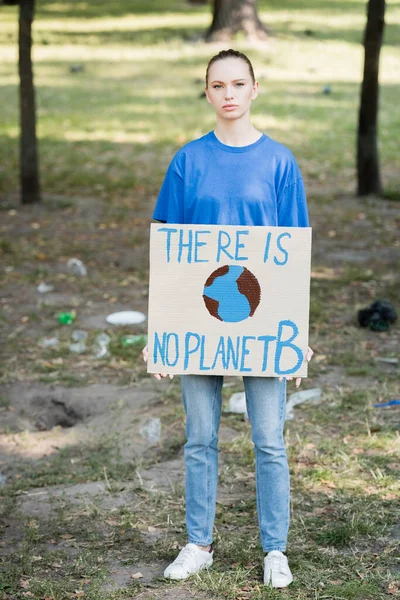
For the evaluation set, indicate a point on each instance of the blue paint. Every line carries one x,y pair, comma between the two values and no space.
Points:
198,244
159,348
169,231
203,367
188,245
223,247
267,246
188,350
280,345
266,339
285,252
239,245
390,403
232,305
231,356
245,352
176,338
220,352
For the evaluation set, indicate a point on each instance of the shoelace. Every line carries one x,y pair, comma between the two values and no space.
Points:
183,555
277,562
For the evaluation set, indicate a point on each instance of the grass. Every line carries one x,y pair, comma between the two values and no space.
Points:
122,53
107,134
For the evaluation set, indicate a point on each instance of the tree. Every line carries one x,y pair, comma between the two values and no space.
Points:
368,172
29,163
233,16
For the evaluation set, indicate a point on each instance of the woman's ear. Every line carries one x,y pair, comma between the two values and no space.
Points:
206,93
255,91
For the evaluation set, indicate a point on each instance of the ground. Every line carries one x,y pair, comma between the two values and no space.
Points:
90,507
89,502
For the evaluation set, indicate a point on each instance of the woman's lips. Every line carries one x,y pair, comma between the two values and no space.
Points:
231,107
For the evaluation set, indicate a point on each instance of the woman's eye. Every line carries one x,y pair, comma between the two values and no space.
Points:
218,86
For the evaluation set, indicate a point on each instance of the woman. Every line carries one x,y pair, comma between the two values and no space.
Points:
234,175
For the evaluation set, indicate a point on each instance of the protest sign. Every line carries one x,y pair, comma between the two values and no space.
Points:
229,300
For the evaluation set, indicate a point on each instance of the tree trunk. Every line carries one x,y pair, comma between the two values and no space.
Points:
29,168
368,175
233,16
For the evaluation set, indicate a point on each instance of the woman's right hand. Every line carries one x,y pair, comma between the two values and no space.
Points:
145,355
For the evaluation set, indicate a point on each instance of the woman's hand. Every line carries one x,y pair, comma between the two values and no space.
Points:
145,355
298,379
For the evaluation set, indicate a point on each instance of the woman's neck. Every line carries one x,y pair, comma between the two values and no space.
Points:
236,133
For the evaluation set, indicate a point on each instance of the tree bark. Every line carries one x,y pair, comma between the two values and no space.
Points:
29,164
368,172
234,16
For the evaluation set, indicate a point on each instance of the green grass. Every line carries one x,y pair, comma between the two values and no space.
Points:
97,128
107,134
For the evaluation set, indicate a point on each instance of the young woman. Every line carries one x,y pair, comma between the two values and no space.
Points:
233,175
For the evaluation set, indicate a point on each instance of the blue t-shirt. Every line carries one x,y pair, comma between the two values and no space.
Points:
211,183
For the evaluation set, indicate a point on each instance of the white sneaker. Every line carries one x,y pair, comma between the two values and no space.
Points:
190,559
276,570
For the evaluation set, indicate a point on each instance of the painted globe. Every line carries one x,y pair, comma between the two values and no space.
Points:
232,293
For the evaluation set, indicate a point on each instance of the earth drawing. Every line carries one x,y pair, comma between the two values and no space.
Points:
232,293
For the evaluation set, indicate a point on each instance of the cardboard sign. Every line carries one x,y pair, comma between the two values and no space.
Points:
229,300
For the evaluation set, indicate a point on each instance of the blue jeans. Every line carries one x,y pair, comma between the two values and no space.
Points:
266,405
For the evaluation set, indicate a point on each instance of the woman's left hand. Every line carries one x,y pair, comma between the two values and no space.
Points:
298,379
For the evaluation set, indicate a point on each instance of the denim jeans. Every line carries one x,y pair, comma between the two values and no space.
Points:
266,406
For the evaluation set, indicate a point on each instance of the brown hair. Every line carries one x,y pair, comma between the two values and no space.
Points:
228,54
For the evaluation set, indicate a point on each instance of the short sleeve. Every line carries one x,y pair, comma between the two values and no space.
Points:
292,206
169,205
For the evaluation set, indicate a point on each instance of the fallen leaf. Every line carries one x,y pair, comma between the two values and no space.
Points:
66,536
328,483
151,529
390,496
24,583
136,576
393,588
369,489
319,510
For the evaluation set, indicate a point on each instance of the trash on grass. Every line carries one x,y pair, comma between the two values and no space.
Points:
378,316
100,345
151,430
126,317
390,403
66,318
3,479
237,404
389,361
78,347
133,340
313,394
43,288
79,335
77,267
49,342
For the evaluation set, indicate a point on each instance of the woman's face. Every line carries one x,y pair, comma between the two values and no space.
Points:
230,88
